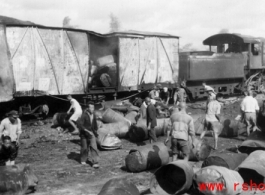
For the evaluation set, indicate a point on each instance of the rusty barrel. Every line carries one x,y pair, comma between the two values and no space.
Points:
173,178
255,141
147,157
120,108
60,119
230,161
119,187
17,179
221,176
110,116
252,168
119,129
139,132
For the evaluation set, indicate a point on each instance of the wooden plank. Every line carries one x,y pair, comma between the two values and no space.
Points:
129,62
149,58
45,79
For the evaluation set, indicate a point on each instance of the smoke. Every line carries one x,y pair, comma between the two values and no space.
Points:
224,30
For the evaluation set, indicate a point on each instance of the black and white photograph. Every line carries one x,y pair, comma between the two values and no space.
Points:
141,97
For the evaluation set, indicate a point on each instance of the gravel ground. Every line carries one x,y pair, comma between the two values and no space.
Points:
55,159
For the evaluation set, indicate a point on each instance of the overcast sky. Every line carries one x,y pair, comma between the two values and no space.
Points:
192,20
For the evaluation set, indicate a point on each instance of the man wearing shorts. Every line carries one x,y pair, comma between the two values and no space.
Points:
77,113
249,108
212,119
182,128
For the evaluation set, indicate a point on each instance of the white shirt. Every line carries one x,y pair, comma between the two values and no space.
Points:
9,129
213,108
75,105
249,104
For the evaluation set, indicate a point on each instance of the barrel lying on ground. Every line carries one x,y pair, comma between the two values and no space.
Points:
255,141
139,132
119,187
108,141
110,116
173,178
60,119
224,180
225,160
147,157
17,179
131,116
252,168
119,129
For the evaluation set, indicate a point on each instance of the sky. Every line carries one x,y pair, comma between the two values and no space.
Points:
192,20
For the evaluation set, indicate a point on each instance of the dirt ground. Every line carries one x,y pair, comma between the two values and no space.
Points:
55,159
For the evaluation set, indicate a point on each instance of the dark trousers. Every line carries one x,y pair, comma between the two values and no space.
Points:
152,134
180,147
8,154
89,149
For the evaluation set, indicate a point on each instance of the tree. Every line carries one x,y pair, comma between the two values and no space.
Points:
66,23
114,23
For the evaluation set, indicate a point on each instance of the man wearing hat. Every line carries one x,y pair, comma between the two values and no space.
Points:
11,126
182,132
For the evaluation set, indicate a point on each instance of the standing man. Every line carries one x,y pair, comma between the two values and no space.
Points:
249,108
8,152
11,126
182,128
77,113
151,122
88,133
165,95
212,119
179,95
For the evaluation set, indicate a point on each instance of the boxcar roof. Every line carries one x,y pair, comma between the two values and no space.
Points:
133,33
231,38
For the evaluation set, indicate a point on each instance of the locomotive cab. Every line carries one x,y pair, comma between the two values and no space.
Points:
230,59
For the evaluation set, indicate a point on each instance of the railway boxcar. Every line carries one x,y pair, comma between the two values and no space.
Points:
37,61
231,59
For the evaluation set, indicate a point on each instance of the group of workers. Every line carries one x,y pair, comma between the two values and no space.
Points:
182,132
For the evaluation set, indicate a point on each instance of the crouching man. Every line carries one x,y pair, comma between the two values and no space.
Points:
11,127
87,125
8,152
182,128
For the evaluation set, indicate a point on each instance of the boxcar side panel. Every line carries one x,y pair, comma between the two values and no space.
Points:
168,60
49,61
6,75
129,62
